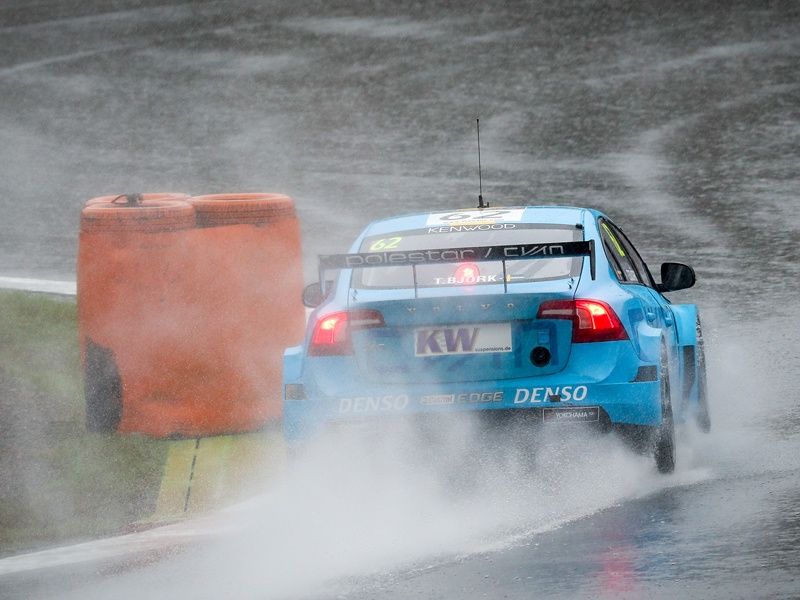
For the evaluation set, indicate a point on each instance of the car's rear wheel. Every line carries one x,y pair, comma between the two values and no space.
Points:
664,442
702,416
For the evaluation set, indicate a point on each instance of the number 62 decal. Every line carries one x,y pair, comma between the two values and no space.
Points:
476,216
385,244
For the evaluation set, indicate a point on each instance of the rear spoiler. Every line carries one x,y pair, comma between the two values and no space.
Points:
412,258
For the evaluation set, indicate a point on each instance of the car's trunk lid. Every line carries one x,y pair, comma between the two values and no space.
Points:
465,337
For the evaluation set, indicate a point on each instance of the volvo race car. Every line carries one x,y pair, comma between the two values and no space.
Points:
541,313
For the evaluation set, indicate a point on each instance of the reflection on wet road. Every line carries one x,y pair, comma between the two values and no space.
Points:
675,544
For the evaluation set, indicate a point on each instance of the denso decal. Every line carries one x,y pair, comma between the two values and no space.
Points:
366,404
563,393
466,339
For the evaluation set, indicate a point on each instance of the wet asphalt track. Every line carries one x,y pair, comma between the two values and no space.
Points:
681,120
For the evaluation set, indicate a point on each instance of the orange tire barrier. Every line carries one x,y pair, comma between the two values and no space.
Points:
130,257
247,270
184,310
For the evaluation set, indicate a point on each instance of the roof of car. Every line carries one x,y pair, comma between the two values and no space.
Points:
556,215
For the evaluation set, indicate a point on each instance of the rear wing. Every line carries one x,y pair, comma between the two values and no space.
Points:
412,258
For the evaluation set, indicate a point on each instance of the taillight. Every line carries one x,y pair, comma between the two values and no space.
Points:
592,320
331,335
467,273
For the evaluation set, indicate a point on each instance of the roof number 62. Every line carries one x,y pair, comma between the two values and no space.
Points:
493,214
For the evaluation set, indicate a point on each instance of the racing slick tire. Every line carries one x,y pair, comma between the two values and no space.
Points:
702,415
664,442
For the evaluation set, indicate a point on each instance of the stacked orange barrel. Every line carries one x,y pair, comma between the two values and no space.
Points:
185,306
130,256
247,268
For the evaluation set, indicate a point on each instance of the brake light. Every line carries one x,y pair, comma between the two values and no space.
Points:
467,273
331,335
592,320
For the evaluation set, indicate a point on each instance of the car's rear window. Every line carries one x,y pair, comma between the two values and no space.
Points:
478,273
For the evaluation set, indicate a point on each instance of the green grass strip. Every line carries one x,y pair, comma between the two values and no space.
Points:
57,482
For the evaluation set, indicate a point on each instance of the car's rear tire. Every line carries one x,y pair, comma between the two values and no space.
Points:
664,442
702,415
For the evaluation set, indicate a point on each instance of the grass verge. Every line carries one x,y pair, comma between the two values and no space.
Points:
58,482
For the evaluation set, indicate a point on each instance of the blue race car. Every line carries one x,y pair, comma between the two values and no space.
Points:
537,313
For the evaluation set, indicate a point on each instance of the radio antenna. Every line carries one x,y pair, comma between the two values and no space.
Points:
481,204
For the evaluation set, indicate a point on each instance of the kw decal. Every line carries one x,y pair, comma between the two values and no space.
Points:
431,342
467,339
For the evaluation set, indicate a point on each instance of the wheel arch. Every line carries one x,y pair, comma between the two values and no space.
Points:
692,372
685,323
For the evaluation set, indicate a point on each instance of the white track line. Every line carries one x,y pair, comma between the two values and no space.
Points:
47,286
152,540
159,538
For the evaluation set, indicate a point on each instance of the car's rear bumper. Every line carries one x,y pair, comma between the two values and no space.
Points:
631,403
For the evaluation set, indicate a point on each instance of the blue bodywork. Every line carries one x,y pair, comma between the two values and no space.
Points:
382,377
